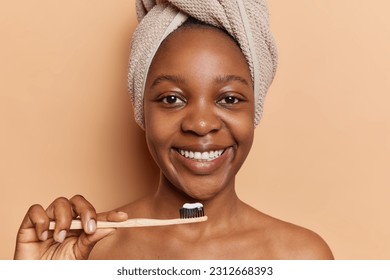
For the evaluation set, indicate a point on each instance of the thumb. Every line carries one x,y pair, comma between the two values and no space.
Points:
113,216
86,242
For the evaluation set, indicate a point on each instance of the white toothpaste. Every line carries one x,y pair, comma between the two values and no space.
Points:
192,205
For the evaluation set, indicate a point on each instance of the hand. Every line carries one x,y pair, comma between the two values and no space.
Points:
35,240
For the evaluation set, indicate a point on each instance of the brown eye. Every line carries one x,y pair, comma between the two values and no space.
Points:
172,99
229,100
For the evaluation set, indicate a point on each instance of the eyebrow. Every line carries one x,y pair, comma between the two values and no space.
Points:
168,78
222,79
230,78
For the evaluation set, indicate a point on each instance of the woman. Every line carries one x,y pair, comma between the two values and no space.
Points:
198,95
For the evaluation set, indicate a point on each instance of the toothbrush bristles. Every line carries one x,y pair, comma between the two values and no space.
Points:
193,210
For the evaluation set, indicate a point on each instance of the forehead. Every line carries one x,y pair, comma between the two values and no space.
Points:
204,47
190,29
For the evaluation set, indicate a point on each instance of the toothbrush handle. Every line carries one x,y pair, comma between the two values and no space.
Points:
76,224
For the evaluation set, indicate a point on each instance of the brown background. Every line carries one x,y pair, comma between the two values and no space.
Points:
322,151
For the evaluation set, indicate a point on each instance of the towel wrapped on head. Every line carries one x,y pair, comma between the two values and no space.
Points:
245,20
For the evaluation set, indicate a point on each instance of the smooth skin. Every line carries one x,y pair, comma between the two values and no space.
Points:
198,98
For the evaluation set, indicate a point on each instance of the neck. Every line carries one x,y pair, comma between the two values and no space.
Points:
221,209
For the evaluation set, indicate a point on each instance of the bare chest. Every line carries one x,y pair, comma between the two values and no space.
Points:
155,245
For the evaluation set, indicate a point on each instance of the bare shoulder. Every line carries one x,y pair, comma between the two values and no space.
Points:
288,241
302,244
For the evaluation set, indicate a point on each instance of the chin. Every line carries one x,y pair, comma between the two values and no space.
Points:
202,193
201,196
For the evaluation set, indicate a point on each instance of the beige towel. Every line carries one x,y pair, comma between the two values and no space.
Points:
246,20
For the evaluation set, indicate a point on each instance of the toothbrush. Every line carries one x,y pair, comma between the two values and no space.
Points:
189,213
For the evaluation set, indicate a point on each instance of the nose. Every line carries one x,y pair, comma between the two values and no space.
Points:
201,119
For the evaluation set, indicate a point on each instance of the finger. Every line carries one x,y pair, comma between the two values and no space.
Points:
60,210
86,242
36,219
113,216
86,211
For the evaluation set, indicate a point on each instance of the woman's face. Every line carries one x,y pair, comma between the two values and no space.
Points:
199,111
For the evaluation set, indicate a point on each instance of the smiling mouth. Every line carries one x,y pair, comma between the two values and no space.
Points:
201,156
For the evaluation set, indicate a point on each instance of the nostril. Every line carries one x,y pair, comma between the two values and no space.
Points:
201,127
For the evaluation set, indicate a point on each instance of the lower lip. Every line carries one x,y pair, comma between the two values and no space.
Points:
202,167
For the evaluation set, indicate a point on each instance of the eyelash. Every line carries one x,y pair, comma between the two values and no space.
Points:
235,100
165,100
175,100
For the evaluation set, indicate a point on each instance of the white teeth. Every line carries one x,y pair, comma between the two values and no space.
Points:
208,156
197,155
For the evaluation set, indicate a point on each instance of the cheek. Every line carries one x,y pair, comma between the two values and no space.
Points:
158,132
244,140
241,123
242,129
152,133
155,137
245,137
156,146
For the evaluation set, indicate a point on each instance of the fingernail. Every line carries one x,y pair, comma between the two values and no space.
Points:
61,236
91,226
44,236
